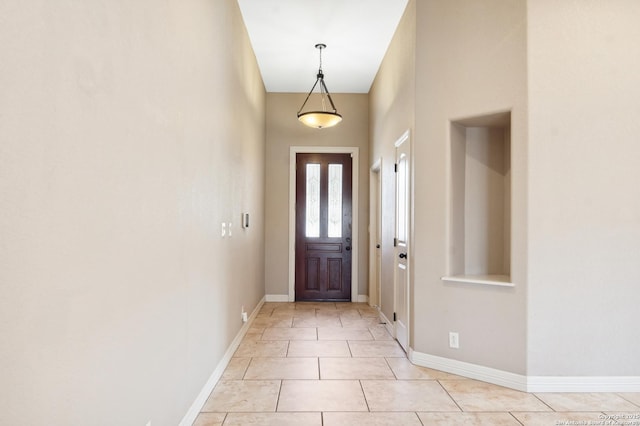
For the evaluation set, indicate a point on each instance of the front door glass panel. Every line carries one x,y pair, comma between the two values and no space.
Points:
313,201
335,201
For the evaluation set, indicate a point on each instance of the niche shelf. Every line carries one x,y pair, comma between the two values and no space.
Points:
480,223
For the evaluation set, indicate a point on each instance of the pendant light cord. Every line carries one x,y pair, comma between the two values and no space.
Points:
324,92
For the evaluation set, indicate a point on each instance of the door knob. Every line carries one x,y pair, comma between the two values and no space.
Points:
347,248
402,255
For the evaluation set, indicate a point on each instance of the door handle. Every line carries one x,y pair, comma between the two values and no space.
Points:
402,255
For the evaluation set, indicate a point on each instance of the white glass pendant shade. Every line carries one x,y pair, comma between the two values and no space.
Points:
320,119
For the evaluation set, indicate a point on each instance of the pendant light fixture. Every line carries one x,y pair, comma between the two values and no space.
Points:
324,118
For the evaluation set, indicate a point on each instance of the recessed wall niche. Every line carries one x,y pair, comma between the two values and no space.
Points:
480,231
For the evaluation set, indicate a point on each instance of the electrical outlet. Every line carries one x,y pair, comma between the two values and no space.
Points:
230,229
223,232
243,315
454,340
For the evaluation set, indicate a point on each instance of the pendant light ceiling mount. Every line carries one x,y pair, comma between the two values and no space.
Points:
320,119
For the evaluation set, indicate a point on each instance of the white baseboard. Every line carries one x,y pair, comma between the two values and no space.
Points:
523,383
202,397
472,371
276,298
361,298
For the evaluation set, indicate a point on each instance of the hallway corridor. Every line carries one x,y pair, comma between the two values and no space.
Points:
334,364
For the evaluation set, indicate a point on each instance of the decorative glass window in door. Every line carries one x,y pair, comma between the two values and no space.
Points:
402,194
335,201
313,201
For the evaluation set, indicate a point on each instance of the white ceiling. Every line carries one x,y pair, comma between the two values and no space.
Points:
357,33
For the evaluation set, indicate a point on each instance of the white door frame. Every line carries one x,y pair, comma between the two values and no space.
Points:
375,216
354,151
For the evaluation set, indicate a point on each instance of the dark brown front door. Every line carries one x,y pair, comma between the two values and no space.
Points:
323,227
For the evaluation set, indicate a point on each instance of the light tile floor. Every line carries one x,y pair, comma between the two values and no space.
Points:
333,364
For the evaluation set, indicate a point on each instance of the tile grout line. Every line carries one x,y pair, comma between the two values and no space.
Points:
628,400
279,393
364,395
244,374
541,400
391,368
517,420
452,398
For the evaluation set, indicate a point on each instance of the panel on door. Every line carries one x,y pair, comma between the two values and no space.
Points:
323,227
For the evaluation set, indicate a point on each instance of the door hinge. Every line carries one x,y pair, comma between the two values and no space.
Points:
395,317
395,242
395,167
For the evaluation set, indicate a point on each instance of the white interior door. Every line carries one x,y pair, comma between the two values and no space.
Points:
403,228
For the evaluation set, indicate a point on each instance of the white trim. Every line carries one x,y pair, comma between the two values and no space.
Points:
363,298
276,298
539,384
496,280
202,397
355,155
472,371
375,220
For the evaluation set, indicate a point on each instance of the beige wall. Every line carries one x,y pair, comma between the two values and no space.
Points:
584,205
128,132
284,131
469,60
574,154
482,203
392,105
